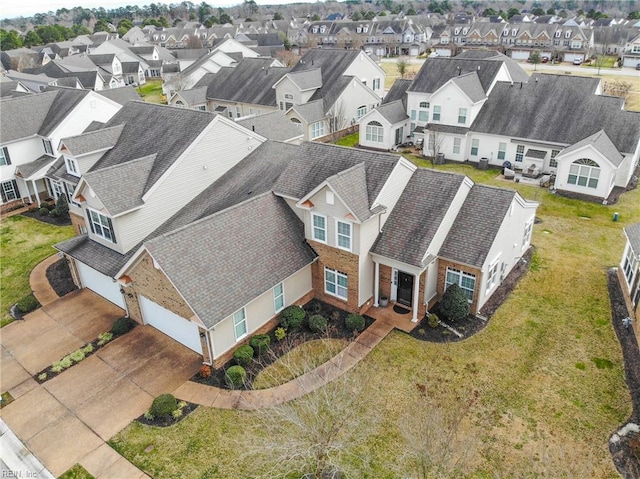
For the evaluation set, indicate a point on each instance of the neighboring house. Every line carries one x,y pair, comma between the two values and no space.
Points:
631,53
630,267
195,99
10,88
329,90
35,83
78,66
110,66
274,126
215,262
31,127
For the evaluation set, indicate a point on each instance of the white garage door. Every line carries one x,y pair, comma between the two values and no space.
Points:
174,326
100,283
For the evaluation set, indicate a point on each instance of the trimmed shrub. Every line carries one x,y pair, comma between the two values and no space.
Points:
54,212
28,304
454,304
260,343
163,405
354,322
292,317
243,355
317,323
235,376
104,338
280,334
122,325
433,320
77,356
43,211
62,206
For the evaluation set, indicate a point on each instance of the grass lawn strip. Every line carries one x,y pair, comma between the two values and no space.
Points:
540,394
151,92
76,472
24,242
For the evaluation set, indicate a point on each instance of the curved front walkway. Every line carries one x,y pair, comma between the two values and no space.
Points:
227,399
39,283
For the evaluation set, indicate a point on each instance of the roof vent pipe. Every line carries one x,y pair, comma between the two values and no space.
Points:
521,85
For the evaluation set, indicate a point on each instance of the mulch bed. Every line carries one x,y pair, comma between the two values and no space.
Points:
64,220
335,330
59,276
167,421
626,452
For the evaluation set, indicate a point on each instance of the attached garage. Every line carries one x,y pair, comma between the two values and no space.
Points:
182,330
100,283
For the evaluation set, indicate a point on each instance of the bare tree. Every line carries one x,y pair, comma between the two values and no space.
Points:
287,58
338,119
434,141
193,42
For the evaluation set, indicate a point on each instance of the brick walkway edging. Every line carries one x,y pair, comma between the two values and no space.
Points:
212,396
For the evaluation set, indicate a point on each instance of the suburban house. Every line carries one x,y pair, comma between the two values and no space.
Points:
208,242
631,53
329,90
630,267
565,127
31,127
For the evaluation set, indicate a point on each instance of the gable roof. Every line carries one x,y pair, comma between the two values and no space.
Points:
482,213
560,109
470,84
120,95
307,79
88,142
398,91
417,216
601,142
223,255
394,112
193,96
435,72
150,129
274,125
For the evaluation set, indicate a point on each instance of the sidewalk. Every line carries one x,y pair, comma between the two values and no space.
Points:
255,399
19,461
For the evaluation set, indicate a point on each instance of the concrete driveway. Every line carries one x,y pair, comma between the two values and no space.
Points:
67,419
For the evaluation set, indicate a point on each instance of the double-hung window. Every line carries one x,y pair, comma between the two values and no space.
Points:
423,112
502,151
519,153
278,297
343,233
4,156
553,163
101,225
466,281
48,149
319,227
492,275
317,129
335,283
437,110
457,142
462,116
475,145
629,265
376,84
362,111
240,324
526,237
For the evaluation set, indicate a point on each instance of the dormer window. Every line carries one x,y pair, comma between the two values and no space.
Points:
514,32
505,33
457,31
47,147
323,29
464,32
72,166
365,29
101,225
314,29
558,33
567,34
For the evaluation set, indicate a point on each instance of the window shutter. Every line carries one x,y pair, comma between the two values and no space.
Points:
3,194
15,188
5,150
90,221
113,233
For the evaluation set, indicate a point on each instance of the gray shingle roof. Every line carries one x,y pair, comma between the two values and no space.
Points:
93,254
27,169
393,112
456,130
398,91
274,125
517,73
633,233
251,81
469,83
313,163
474,229
121,95
312,111
121,187
223,269
557,108
307,80
601,142
351,187
193,96
93,141
435,72
150,129
417,216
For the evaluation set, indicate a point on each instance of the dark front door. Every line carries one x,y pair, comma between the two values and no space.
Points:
405,288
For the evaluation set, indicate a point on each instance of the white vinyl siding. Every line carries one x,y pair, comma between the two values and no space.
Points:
240,324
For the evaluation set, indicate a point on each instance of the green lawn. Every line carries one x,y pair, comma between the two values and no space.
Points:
350,140
151,92
24,242
76,472
543,395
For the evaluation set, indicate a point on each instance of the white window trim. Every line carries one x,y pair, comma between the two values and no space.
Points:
236,323
461,274
492,274
338,235
109,226
337,274
276,296
48,147
72,166
317,129
313,228
460,110
528,232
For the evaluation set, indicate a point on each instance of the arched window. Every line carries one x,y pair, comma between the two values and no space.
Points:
375,132
584,172
179,103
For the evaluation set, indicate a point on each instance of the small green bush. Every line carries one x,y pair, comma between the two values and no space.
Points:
122,325
260,343
62,205
354,322
163,405
77,356
43,211
454,304
42,377
28,303
88,349
291,317
54,212
235,376
177,413
433,320
280,334
104,338
317,323
243,355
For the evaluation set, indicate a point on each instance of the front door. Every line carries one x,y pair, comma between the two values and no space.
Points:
398,136
405,288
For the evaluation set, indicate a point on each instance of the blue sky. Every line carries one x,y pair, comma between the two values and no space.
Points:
16,8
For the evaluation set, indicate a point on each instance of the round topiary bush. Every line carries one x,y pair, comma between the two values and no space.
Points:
354,322
122,325
243,355
454,304
44,211
317,323
54,212
235,376
28,303
163,405
292,317
260,343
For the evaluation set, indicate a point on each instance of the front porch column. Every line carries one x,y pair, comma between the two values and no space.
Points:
35,191
416,294
376,284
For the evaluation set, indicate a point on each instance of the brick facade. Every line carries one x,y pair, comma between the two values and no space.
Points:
339,260
77,221
153,284
442,280
386,276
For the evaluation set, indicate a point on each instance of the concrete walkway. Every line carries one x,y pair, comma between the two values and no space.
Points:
350,356
39,283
